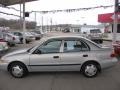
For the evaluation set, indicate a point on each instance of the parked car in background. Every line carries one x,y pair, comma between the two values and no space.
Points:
19,34
11,39
28,36
66,30
60,53
95,35
38,32
36,35
3,46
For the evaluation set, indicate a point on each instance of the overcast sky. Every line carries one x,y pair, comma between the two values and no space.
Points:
81,17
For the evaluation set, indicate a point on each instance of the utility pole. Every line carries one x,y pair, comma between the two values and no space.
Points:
20,16
35,17
42,23
47,25
115,20
24,23
51,24
20,11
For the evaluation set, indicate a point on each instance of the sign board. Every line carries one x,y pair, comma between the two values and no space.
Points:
107,18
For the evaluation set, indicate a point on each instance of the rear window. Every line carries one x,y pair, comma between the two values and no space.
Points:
95,31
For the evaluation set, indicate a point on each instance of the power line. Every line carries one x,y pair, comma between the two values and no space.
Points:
9,14
64,10
55,11
73,10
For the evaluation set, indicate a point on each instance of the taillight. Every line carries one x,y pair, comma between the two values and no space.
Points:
113,54
2,40
116,49
13,38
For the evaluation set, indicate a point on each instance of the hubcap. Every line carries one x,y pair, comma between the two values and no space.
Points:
17,71
90,70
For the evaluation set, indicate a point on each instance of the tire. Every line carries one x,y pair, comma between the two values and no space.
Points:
11,44
27,41
18,70
101,41
21,40
90,66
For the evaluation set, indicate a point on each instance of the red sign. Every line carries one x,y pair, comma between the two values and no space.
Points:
107,18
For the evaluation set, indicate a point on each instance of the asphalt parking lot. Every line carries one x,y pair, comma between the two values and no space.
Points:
109,79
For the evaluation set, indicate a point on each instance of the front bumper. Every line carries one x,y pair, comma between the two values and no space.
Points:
3,66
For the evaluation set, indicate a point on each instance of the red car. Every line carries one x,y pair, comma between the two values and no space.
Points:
117,48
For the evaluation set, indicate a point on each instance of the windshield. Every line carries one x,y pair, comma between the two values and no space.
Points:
28,33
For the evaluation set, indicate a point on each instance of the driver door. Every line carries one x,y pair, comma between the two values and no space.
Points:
46,56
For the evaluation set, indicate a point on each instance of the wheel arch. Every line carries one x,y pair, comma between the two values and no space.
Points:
9,65
91,61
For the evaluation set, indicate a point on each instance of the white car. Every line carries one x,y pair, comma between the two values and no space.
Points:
60,53
3,46
95,35
29,37
37,36
11,39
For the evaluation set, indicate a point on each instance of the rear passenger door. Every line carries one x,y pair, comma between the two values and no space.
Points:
74,52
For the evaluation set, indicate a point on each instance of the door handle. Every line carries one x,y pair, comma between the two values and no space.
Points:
55,56
85,55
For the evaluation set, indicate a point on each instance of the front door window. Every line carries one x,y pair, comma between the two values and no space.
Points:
49,47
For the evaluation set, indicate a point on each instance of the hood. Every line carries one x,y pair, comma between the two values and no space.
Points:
16,52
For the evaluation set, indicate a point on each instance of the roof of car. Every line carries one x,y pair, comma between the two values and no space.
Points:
62,35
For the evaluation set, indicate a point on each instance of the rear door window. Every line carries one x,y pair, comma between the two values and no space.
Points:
75,46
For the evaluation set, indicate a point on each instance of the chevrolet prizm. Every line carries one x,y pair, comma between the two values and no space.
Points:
60,53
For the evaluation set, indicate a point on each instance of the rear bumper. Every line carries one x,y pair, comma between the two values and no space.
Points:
108,63
30,39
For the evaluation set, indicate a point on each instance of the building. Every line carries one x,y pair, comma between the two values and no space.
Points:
71,27
108,19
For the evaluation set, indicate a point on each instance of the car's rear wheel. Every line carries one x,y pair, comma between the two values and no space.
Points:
90,69
18,70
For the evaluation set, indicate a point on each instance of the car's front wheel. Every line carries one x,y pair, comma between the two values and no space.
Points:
18,70
90,69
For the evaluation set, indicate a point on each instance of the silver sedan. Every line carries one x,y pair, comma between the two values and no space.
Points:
60,53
